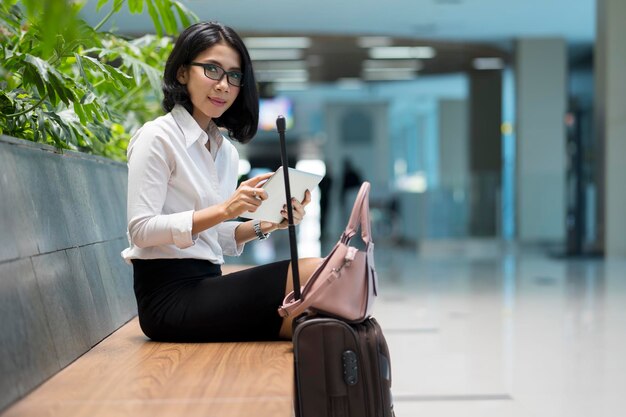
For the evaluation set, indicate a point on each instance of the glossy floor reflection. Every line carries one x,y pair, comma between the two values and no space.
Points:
478,328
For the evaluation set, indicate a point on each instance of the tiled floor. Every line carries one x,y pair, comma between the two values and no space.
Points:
481,329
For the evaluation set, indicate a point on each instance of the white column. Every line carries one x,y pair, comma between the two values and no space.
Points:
610,124
541,104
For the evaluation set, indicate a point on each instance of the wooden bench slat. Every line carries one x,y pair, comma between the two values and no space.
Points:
128,375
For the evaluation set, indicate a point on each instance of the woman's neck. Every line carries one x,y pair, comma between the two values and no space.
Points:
202,120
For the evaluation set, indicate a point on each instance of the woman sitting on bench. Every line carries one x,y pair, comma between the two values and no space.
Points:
182,189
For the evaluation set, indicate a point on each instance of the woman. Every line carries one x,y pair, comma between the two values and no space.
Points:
182,190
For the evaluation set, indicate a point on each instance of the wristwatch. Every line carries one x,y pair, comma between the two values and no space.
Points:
257,229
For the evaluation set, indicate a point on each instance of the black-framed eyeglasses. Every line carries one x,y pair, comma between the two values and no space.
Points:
215,72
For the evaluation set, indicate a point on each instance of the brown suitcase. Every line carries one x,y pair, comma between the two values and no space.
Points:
341,369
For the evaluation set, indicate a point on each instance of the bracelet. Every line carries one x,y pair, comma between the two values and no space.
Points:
259,233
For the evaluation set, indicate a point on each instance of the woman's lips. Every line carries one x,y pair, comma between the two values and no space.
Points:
217,101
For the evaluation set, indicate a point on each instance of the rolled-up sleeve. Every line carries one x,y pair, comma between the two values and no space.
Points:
162,229
149,169
226,238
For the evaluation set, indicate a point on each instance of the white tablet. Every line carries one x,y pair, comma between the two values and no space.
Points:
299,182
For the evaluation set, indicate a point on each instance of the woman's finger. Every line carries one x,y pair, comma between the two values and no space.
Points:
257,193
254,181
295,204
251,200
299,209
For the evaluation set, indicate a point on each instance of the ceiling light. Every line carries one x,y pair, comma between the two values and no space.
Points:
488,63
278,42
401,64
402,52
373,41
388,74
274,54
280,65
276,75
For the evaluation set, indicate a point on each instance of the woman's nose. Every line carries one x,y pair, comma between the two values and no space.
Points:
222,84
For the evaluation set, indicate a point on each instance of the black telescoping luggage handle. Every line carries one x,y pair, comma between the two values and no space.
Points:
280,125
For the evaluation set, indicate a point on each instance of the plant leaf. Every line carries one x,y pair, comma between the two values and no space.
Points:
81,70
33,77
167,15
135,6
40,66
137,66
52,79
155,18
88,98
100,4
6,104
78,109
120,78
185,15
117,5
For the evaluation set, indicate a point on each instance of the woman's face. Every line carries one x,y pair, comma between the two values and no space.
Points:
211,98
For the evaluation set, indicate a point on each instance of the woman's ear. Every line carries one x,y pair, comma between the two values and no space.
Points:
182,75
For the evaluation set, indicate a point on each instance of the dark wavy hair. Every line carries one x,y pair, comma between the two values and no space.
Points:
242,118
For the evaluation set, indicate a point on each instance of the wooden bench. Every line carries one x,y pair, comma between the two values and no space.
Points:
128,375
69,345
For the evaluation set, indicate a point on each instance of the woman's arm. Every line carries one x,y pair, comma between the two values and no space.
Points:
245,231
150,165
245,198
208,217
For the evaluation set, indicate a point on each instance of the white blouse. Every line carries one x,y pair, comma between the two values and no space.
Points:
170,175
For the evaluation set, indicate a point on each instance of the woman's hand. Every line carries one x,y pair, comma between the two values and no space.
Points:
298,211
248,197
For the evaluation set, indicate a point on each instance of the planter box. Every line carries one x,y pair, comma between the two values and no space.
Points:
63,284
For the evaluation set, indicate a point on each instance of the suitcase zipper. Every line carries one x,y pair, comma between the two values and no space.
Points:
381,348
362,353
372,407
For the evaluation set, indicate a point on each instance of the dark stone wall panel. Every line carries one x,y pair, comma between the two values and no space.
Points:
117,281
104,321
53,202
8,243
93,327
39,178
119,182
77,204
67,302
18,235
63,284
27,352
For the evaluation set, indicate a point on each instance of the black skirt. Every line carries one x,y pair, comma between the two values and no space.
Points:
189,300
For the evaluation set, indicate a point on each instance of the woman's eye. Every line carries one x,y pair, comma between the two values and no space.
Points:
235,75
212,69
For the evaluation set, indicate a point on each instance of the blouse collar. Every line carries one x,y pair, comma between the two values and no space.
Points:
192,130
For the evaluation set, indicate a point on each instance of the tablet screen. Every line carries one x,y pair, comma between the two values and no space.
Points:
299,182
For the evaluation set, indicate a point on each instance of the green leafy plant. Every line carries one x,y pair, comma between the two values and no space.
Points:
65,83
